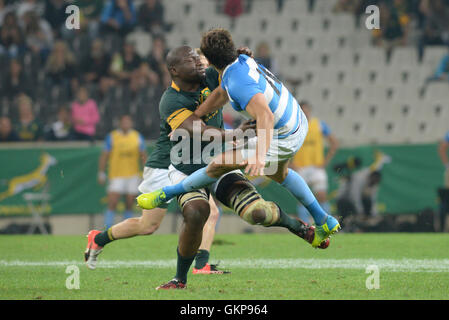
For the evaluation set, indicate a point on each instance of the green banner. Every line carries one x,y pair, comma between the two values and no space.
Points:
69,175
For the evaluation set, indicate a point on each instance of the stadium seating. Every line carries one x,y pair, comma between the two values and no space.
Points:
321,56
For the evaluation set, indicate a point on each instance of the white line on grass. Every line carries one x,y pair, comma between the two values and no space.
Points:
392,265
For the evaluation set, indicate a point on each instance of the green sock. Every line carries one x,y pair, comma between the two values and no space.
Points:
202,257
104,238
293,225
183,266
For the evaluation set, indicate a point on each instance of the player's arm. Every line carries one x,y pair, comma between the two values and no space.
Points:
442,150
226,135
104,157
333,147
216,100
258,109
182,118
142,150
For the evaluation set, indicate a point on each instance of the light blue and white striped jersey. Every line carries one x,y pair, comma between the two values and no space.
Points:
244,78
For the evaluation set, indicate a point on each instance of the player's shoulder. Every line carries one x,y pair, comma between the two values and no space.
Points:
171,100
446,137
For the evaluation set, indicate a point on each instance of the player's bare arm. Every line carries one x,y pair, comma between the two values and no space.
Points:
333,147
217,99
102,167
442,150
258,108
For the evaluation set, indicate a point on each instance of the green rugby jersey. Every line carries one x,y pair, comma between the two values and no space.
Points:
176,106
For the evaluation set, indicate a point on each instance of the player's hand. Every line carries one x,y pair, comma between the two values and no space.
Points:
255,166
247,125
245,50
101,178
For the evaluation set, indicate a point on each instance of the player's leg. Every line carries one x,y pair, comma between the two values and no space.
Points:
235,191
195,210
292,181
202,257
113,199
301,211
223,163
132,190
147,224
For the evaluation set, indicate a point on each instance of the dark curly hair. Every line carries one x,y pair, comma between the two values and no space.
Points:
218,47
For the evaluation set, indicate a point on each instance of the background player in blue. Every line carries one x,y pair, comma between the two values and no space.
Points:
281,130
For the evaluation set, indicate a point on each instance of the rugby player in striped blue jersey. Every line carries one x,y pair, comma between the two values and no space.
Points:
281,128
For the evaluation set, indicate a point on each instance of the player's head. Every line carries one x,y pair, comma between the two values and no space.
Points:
305,106
185,64
126,123
203,58
218,47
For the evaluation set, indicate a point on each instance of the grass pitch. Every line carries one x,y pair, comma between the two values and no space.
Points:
264,266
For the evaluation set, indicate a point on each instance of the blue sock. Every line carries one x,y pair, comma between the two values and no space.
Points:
326,206
109,218
197,180
128,214
299,188
303,214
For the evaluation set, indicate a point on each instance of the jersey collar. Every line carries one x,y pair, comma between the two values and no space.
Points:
175,86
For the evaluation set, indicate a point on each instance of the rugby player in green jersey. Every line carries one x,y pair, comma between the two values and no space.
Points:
191,85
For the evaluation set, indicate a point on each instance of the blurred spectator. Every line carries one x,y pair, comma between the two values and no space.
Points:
15,82
391,32
27,128
125,66
11,37
30,5
60,67
443,148
5,8
263,56
156,61
348,6
358,189
84,116
61,129
90,12
95,67
151,16
7,133
38,34
119,16
435,25
233,8
55,14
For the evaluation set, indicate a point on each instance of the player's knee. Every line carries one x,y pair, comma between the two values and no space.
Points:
196,213
261,212
258,216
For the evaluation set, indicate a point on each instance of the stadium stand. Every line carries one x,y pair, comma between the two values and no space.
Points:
323,51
